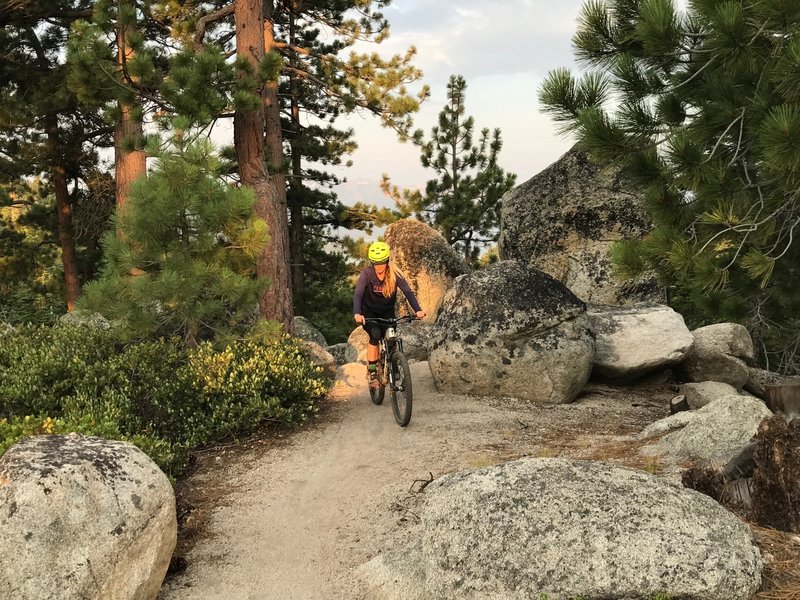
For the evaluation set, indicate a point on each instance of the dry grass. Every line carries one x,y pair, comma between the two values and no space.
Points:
781,551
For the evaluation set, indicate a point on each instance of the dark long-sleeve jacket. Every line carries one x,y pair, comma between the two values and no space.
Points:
369,296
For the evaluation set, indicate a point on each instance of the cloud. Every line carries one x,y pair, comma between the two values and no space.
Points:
475,38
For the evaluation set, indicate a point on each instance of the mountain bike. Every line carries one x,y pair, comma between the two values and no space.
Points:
393,370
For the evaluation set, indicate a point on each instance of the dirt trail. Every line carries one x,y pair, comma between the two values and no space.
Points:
297,519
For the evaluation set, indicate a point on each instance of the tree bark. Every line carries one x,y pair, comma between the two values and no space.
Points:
248,135
64,212
129,165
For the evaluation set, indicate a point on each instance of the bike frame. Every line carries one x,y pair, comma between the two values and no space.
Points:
391,345
388,348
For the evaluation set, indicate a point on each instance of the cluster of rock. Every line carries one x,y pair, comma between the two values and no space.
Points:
536,326
723,415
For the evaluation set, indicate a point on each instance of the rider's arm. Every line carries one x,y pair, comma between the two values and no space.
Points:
410,296
361,286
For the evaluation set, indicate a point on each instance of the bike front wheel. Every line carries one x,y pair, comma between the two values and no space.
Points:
376,394
401,390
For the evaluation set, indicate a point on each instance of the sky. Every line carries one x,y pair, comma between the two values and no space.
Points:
503,49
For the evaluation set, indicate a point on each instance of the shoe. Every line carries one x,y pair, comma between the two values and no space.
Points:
374,382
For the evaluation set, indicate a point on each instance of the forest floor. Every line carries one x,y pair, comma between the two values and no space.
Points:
291,514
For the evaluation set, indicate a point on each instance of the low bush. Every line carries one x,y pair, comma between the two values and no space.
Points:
165,398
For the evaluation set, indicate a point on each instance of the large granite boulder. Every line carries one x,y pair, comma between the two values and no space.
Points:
721,352
712,434
83,517
632,341
511,330
427,261
564,221
305,330
566,529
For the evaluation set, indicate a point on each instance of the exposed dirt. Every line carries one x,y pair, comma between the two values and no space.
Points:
291,515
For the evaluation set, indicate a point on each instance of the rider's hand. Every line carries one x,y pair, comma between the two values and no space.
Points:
359,318
421,314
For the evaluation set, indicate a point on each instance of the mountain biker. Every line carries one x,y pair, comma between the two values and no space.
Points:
375,297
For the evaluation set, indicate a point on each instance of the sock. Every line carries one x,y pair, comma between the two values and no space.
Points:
372,366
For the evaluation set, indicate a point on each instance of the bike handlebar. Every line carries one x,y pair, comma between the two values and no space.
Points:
394,321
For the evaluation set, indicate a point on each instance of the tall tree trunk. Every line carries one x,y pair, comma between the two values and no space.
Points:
296,224
248,136
282,288
64,212
129,165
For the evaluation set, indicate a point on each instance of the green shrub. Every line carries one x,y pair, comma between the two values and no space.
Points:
42,366
165,398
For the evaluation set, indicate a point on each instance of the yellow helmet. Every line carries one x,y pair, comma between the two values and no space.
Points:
378,253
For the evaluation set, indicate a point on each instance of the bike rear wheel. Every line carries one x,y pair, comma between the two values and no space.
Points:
402,395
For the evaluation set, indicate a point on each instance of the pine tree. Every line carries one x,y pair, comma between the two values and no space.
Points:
463,202
702,109
185,262
42,128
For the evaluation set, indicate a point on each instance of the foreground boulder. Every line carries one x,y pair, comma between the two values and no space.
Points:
721,352
715,433
83,517
428,262
511,330
564,221
633,341
568,529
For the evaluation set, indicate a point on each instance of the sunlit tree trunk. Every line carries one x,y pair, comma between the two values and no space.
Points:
248,128
129,164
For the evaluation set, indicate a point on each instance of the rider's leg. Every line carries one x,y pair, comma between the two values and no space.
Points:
373,354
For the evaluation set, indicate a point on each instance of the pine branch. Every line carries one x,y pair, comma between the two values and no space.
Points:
725,133
206,20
